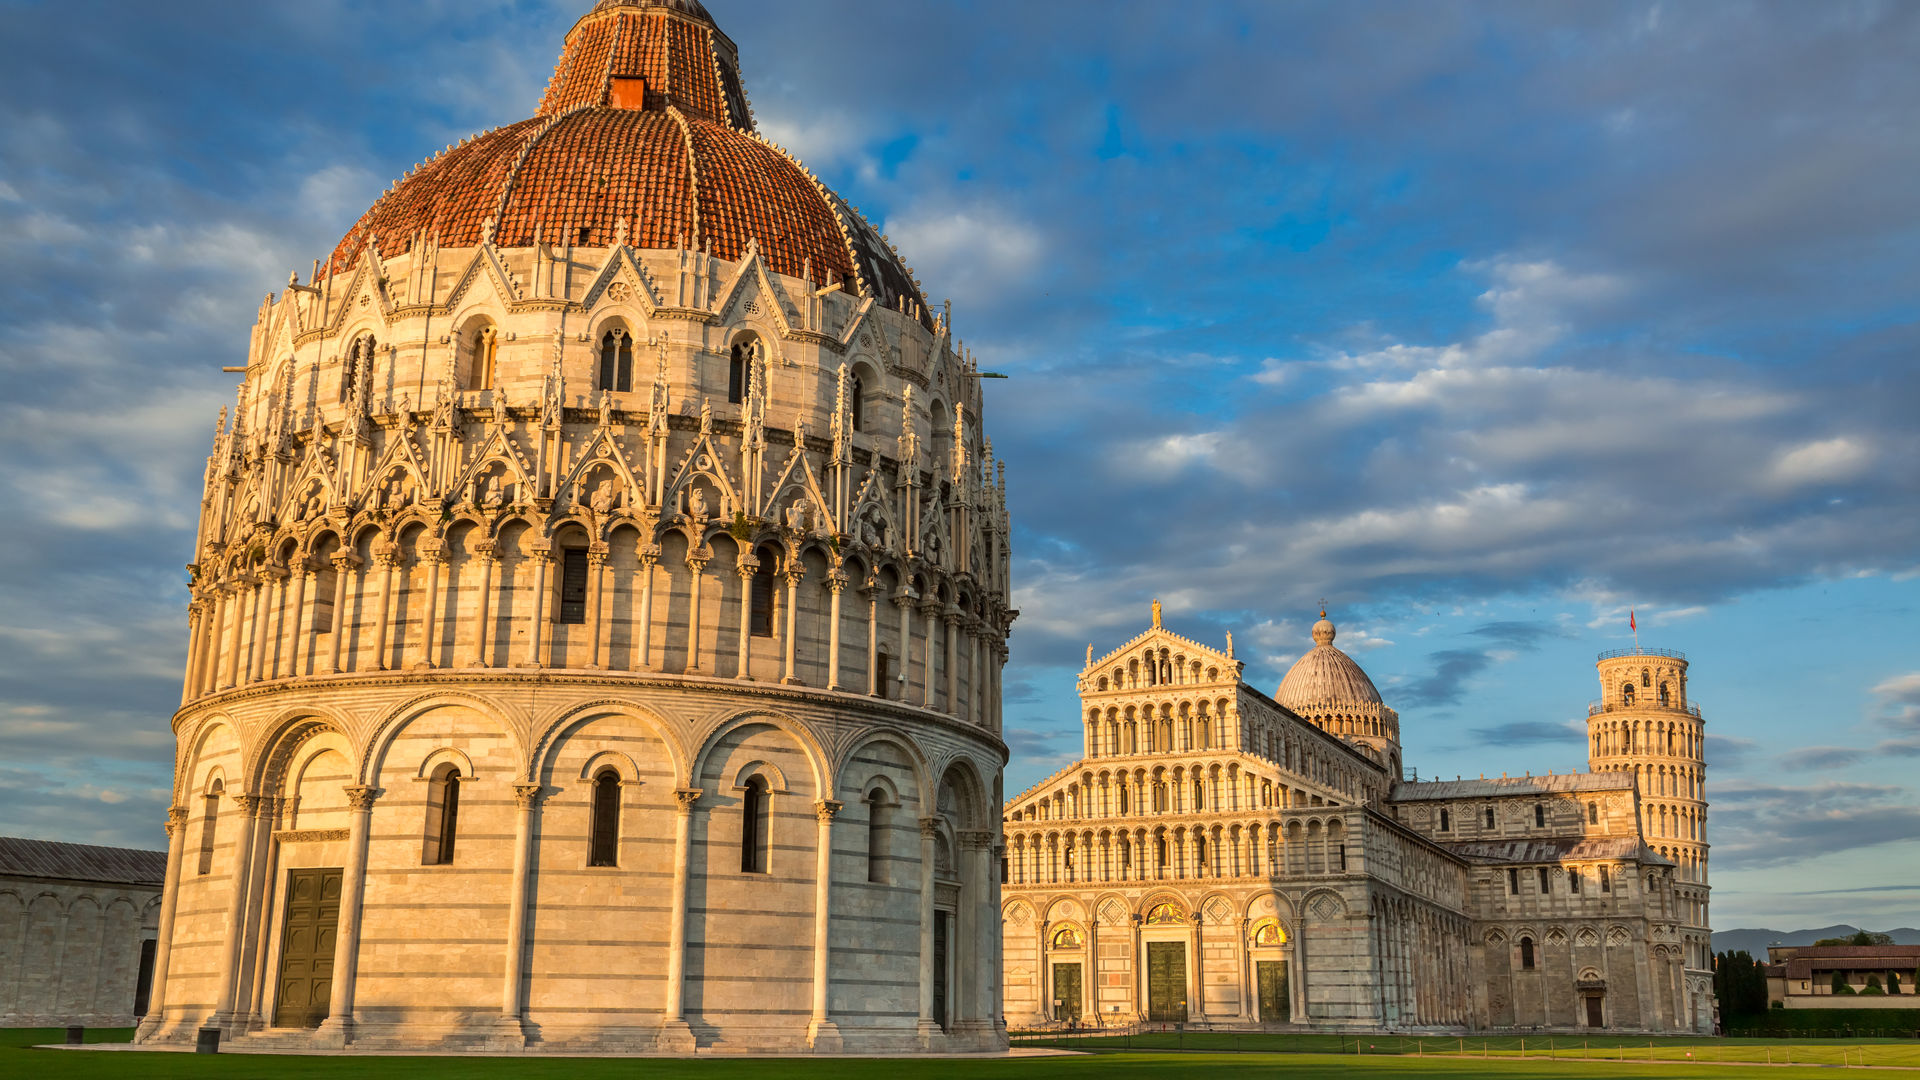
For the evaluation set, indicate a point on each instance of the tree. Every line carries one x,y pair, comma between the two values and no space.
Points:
1858,937
1840,985
1893,982
1873,985
1741,985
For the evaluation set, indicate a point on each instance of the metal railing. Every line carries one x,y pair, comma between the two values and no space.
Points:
1615,654
1595,708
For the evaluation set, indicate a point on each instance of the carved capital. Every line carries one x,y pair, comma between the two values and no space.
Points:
345,561
684,798
929,827
250,805
825,809
747,567
527,796
975,839
361,796
176,819
837,581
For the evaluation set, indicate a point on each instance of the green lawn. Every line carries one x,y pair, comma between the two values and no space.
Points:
1890,1052
17,1059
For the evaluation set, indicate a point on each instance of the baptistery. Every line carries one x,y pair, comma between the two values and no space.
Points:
598,610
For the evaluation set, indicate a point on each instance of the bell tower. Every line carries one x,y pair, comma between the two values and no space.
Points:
1644,724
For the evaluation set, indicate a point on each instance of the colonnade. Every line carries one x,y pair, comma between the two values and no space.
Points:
1246,849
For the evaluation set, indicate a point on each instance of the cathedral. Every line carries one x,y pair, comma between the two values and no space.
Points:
598,610
1222,859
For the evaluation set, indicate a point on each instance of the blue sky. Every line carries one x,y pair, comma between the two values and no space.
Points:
1486,323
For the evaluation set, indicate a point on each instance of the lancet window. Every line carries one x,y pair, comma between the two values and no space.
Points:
443,815
754,820
616,362
604,830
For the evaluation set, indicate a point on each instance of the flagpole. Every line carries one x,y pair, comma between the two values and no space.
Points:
1634,624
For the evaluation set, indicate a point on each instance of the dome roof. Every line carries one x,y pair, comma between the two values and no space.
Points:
645,132
1326,679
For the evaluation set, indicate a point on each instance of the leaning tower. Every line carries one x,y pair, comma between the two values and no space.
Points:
1644,724
598,609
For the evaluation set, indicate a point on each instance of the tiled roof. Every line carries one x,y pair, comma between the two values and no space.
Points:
81,862
684,169
1556,849
1512,785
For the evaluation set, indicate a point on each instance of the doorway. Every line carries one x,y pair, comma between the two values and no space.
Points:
1167,982
1066,993
1596,1014
310,927
941,921
1276,1007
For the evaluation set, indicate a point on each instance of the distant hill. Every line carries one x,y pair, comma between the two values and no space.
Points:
1756,941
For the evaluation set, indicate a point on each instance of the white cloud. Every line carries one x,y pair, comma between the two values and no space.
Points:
974,254
1828,461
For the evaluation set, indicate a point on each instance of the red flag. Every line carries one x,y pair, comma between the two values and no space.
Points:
1631,624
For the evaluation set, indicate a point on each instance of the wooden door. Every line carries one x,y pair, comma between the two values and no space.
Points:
1595,1014
1167,982
1275,1005
1066,992
306,948
941,920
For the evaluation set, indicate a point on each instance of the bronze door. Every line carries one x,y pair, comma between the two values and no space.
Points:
1275,1006
1066,992
306,948
1167,982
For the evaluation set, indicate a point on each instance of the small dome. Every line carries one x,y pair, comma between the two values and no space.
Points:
1325,678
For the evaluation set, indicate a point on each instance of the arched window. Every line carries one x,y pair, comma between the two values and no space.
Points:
753,827
1123,798
443,816
1446,820
1540,815
1593,813
1606,881
616,362
1490,821
1200,852
1626,693
1526,953
760,618
484,347
209,824
604,842
1160,854
1573,879
877,836
857,404
359,357
575,569
739,361
1199,795
1666,698
1646,677
1159,797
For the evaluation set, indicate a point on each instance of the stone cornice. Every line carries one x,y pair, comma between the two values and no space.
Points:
589,680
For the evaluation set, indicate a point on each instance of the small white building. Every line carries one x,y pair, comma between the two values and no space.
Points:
77,929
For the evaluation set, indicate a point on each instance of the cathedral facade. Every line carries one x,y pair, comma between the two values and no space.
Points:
598,610
1223,859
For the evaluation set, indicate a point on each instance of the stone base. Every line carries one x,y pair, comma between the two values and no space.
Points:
334,1033
676,1037
931,1035
508,1034
823,1036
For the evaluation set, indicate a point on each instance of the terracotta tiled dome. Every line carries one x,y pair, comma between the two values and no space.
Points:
645,129
1325,678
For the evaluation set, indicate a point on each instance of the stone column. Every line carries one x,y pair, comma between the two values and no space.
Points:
298,641
260,906
596,609
903,600
537,626
196,621
929,609
386,560
230,677
435,555
950,626
1243,962
978,927
510,1033
822,1032
1139,971
483,625
643,633
796,572
746,568
337,1030
342,570
262,607
163,946
1199,1010
1091,981
697,566
233,934
836,584
928,1028
873,641
675,1034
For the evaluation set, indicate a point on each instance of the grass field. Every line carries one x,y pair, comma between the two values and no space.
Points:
18,1059
1898,1053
